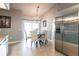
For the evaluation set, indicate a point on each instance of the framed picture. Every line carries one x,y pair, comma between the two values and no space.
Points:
5,21
44,23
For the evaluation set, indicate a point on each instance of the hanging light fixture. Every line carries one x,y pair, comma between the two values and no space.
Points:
37,9
37,16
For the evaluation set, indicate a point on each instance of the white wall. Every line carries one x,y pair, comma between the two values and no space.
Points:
48,27
15,32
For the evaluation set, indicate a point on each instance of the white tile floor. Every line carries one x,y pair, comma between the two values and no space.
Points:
24,49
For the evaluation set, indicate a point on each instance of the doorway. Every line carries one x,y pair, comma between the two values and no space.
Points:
30,26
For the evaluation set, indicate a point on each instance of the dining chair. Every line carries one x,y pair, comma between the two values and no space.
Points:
34,39
44,38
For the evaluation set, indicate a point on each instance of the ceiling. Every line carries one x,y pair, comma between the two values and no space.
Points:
29,9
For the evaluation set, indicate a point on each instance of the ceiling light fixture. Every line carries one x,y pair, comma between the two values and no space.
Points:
37,16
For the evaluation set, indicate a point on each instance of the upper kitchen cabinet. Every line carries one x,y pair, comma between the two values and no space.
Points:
5,6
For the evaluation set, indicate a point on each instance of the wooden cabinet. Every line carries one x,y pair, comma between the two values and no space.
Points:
4,46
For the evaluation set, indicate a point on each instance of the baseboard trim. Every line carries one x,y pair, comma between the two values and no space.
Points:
13,42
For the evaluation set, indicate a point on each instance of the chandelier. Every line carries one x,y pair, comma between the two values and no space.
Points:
37,16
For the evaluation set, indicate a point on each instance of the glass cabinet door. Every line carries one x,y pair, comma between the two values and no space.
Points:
70,39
